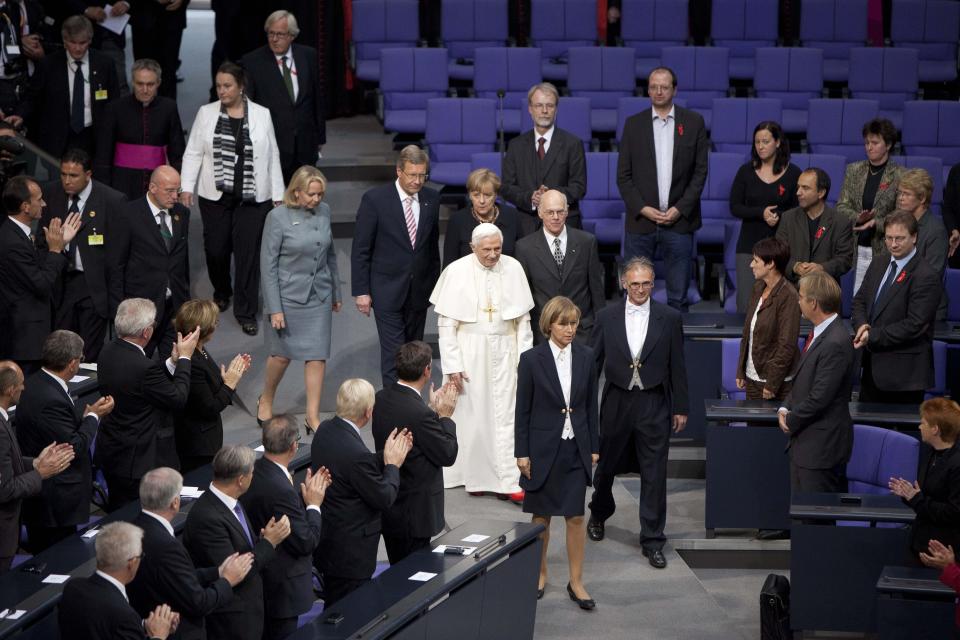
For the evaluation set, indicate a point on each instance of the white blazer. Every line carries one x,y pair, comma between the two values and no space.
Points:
197,175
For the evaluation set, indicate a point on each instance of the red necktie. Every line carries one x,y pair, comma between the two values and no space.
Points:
540,149
806,345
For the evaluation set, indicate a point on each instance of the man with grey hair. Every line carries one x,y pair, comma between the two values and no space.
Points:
167,574
483,308
20,476
545,157
288,590
218,526
48,414
395,259
97,607
138,435
283,77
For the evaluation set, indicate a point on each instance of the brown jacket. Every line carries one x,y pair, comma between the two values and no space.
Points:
775,352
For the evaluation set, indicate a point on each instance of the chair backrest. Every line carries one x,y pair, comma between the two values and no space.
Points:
952,285
788,69
884,70
916,22
829,22
466,24
721,170
835,166
556,25
878,455
939,387
930,129
487,160
600,69
699,68
754,22
735,118
413,70
457,126
602,200
836,126
648,24
573,116
729,358
511,69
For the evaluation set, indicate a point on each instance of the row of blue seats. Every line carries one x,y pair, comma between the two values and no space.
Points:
648,26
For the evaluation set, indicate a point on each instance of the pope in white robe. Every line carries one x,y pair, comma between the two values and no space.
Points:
483,306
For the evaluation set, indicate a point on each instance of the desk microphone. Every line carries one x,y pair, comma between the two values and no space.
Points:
500,95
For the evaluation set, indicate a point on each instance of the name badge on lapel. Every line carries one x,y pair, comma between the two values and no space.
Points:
95,239
100,94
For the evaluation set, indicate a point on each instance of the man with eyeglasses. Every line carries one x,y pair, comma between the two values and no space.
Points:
546,157
147,257
639,347
395,261
894,312
283,77
661,171
562,261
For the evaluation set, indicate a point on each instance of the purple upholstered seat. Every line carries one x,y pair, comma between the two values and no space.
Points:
735,118
743,26
379,24
930,128
557,25
456,129
931,27
512,70
878,455
647,26
704,73
411,77
835,26
466,25
835,126
602,75
793,75
887,75
601,207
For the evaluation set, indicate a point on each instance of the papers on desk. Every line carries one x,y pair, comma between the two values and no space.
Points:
260,449
90,533
76,379
463,551
12,615
422,576
56,578
190,492
475,537
89,366
114,23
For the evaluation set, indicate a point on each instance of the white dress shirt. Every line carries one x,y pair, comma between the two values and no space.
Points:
563,358
563,240
663,144
167,221
229,502
114,582
415,205
819,329
547,137
293,70
3,412
637,321
166,523
290,478
901,263
85,69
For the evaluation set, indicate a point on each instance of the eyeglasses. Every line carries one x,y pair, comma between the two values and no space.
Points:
896,239
640,285
419,177
278,35
554,213
657,88
544,106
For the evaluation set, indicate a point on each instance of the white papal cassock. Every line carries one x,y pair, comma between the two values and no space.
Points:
484,326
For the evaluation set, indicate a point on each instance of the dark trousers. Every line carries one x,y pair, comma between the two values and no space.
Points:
803,480
5,563
231,226
869,392
120,491
161,42
399,547
396,328
293,159
41,537
336,588
676,248
76,313
163,334
641,419
279,628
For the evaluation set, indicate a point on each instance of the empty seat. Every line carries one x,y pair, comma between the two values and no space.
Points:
836,26
602,75
939,387
835,166
743,26
466,25
601,206
729,360
411,77
836,126
715,200
703,73
512,70
951,282
930,128
889,76
793,75
379,24
734,120
650,25
878,455
492,160
456,129
557,25
930,27
573,115
728,281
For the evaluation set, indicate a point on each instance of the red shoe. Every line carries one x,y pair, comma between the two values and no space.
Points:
516,498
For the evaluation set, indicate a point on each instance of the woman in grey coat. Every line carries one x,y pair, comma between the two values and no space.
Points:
301,289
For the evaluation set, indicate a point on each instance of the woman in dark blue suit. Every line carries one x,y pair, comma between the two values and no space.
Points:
556,438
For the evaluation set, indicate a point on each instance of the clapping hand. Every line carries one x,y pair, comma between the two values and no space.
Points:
185,345
939,557
457,380
54,459
444,401
276,531
161,622
314,486
235,568
238,366
101,407
397,446
904,488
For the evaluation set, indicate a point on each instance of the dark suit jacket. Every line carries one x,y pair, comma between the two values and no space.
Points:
834,249
46,415
383,263
50,97
103,206
145,396
539,411
139,265
661,359
938,503
775,352
94,609
581,280
563,168
821,430
28,281
287,580
637,170
18,479
199,427
901,321
167,575
212,533
362,488
418,509
951,199
296,124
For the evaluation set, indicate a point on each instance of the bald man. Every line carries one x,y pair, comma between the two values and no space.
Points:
147,255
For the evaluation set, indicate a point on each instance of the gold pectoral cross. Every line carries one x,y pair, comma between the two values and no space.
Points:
489,310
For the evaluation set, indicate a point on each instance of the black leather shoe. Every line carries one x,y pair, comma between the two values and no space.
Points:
655,556
222,303
773,534
587,604
249,328
539,593
595,530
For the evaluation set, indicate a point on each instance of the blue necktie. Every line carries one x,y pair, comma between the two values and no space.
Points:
886,283
243,522
76,109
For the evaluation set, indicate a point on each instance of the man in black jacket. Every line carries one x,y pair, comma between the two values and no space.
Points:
138,435
363,487
287,580
284,78
48,414
167,574
217,527
417,513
